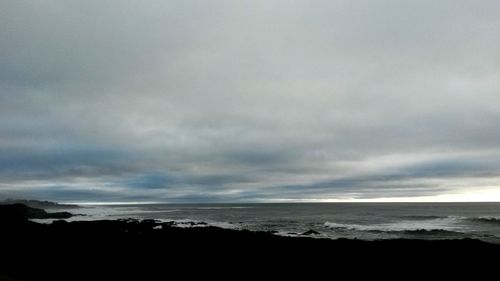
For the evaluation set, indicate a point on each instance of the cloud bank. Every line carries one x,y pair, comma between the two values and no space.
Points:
248,101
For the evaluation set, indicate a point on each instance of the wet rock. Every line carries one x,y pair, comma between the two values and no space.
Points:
310,232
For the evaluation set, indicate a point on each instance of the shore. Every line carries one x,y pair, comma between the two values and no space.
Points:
152,250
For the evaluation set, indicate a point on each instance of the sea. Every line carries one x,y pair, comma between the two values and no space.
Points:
366,221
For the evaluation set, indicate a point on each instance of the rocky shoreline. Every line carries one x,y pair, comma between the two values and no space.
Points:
121,249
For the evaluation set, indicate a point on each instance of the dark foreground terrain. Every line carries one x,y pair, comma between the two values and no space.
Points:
150,250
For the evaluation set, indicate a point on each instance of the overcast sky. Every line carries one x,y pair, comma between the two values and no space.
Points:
250,101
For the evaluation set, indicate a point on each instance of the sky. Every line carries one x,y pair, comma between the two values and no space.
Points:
250,101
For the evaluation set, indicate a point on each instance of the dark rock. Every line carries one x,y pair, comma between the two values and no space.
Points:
131,250
168,223
20,212
38,204
310,232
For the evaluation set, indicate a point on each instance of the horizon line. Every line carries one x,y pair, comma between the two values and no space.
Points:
269,202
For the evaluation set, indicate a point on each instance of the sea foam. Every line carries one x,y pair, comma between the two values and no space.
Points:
446,223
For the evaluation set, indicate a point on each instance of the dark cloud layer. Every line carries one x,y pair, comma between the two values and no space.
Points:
229,101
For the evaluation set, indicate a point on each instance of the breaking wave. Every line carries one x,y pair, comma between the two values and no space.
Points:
490,220
222,208
426,226
417,217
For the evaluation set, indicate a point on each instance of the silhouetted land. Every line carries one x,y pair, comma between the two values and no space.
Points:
38,204
15,213
150,250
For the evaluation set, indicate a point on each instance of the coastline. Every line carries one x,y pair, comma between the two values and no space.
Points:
148,248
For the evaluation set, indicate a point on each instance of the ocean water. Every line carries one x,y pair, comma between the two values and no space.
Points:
367,221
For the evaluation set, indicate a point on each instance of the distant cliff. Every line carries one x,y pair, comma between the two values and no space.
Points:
38,204
19,212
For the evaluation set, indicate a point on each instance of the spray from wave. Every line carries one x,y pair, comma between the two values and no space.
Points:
434,225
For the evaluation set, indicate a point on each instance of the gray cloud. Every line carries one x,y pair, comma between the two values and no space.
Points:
248,101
